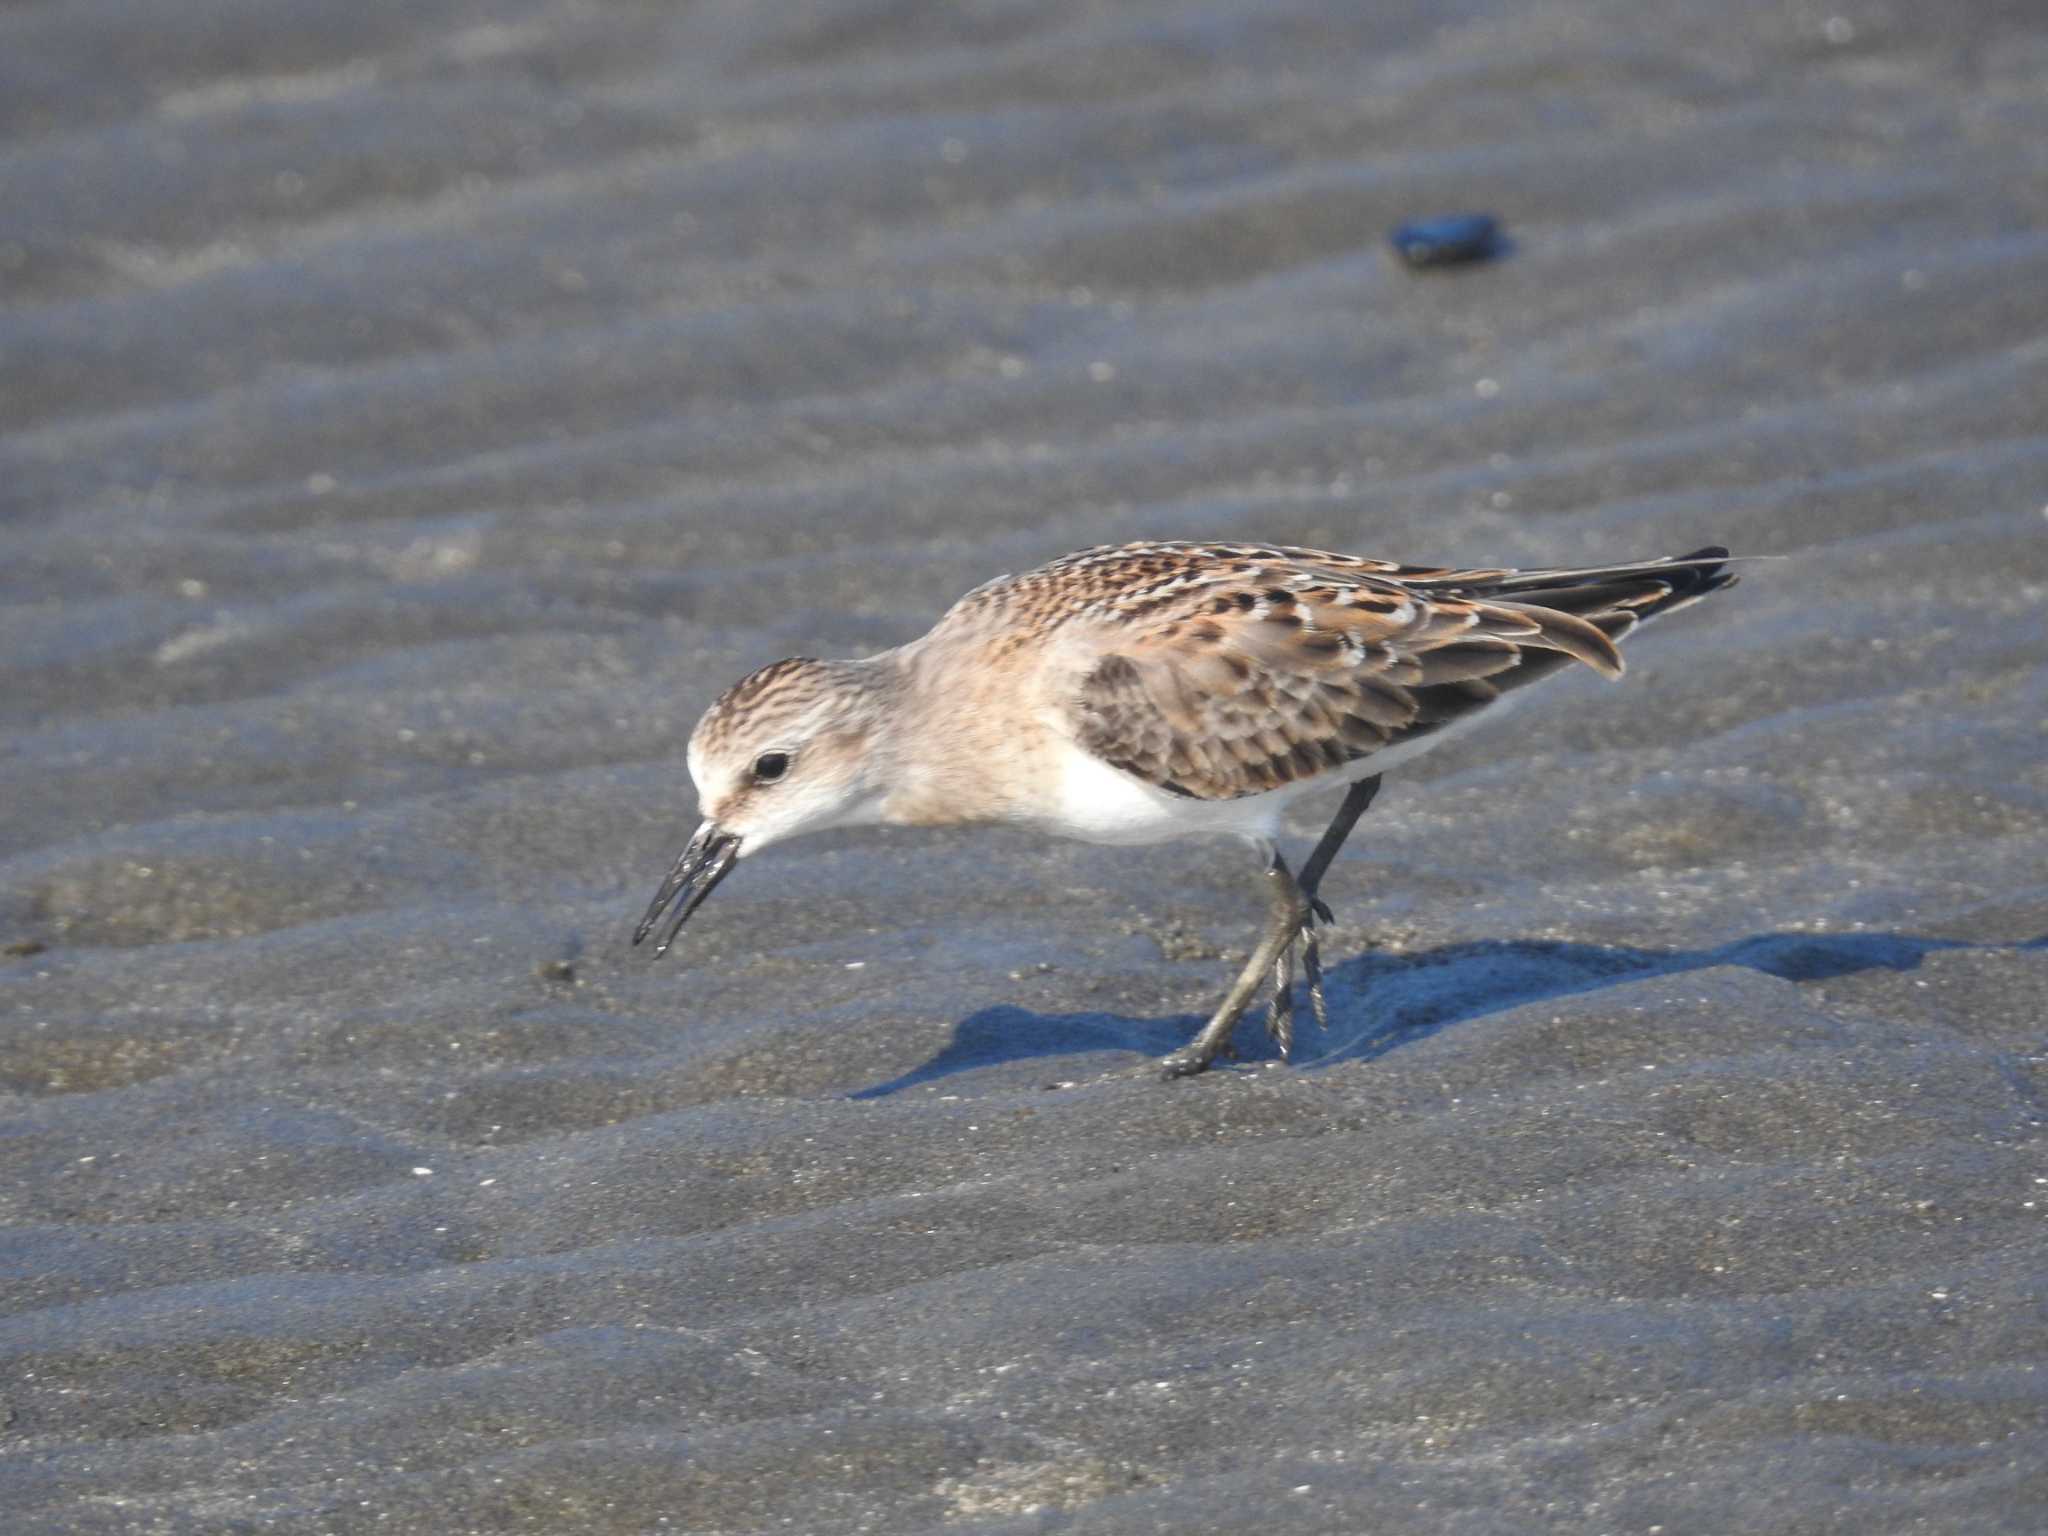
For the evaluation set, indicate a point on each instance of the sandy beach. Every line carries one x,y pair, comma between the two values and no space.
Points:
412,415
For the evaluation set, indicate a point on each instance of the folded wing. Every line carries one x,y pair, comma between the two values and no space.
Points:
1247,668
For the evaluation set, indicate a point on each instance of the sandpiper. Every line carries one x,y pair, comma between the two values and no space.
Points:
1139,693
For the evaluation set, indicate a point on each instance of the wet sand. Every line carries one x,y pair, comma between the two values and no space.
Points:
415,413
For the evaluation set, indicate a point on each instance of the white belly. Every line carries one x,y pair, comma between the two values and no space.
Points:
1100,804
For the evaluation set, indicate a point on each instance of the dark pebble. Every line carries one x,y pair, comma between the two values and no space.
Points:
1449,240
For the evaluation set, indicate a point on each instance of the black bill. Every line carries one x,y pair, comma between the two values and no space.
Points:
703,864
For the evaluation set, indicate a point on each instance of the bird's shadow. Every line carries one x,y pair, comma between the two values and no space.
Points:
1378,1002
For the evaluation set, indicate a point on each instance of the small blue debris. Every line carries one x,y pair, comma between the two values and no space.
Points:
1449,240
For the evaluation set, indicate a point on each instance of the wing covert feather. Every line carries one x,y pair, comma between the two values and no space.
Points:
1230,670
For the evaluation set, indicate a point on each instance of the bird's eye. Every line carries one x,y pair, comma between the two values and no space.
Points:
770,766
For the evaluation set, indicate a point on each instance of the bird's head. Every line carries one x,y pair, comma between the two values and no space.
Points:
785,750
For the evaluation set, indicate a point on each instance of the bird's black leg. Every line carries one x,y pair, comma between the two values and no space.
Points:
1356,799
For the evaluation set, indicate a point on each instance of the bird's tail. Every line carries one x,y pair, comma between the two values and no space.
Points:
1613,599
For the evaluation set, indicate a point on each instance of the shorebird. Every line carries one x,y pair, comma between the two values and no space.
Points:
1140,693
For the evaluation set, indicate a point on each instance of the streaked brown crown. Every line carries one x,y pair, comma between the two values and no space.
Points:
783,694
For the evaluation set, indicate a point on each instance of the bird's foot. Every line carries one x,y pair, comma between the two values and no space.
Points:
1294,915
1199,1054
1312,960
1280,1016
